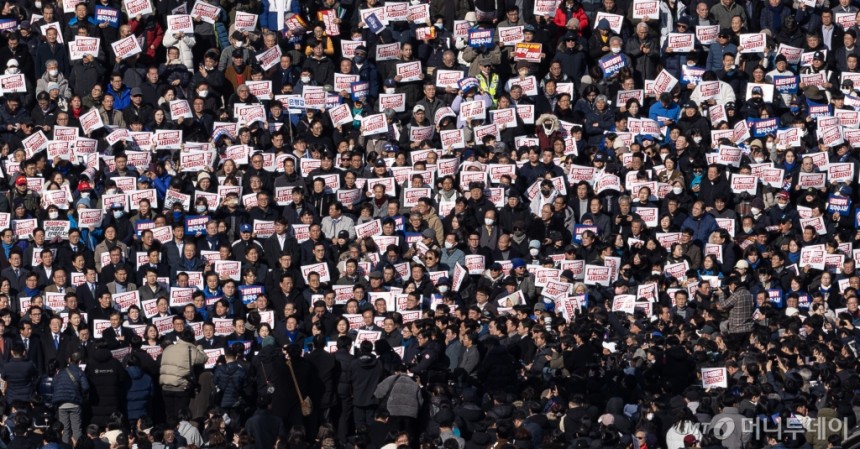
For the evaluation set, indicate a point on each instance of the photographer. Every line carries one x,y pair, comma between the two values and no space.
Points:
177,376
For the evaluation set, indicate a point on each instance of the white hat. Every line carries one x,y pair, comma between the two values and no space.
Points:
791,311
12,63
742,264
471,16
612,347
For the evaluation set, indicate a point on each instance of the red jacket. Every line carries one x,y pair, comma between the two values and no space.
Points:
562,16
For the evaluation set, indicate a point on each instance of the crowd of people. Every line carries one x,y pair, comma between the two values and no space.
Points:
446,224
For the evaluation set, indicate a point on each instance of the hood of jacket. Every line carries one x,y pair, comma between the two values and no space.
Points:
553,119
367,361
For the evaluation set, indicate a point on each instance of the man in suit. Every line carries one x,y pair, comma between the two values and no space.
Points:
88,292
109,270
189,262
155,263
45,269
68,250
8,238
116,335
213,240
482,297
15,274
79,343
54,343
210,340
120,283
59,282
152,289
173,248
32,344
239,332
178,327
279,243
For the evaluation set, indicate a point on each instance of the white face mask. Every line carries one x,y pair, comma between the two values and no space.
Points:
748,230
200,209
449,245
110,191
697,139
117,214
53,72
390,90
677,190
306,79
203,93
489,221
12,70
782,205
85,194
534,251
759,160
239,44
443,289
656,273
769,145
53,215
616,50
755,210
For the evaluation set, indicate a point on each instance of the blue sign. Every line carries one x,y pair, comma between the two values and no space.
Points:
785,84
612,64
196,224
579,229
774,295
481,38
249,293
760,127
8,24
818,110
691,74
374,24
143,225
107,14
840,204
466,83
359,89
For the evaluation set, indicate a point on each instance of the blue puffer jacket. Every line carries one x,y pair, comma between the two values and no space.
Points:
139,393
229,378
70,385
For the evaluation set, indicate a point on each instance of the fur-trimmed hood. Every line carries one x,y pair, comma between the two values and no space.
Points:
555,124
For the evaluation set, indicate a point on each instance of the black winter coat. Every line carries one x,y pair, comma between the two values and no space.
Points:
111,379
327,373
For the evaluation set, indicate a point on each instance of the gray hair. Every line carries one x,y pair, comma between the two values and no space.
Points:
600,98
616,39
51,62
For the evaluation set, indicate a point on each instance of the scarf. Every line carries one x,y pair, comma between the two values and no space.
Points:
8,248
